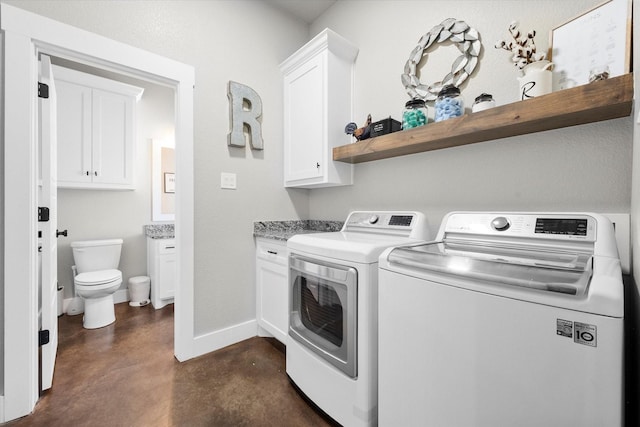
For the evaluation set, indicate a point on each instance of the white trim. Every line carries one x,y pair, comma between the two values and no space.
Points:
26,34
221,338
121,295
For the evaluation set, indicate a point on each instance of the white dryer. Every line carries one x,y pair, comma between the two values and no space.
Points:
507,319
333,321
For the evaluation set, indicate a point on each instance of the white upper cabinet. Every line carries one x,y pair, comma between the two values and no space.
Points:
96,131
318,82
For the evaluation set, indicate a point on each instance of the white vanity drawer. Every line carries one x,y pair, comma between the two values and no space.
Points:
167,246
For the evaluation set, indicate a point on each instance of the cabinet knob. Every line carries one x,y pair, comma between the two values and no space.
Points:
318,165
87,173
95,173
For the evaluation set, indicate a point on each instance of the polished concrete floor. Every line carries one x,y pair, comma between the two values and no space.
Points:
125,374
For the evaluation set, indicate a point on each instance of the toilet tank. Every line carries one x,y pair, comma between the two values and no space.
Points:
94,255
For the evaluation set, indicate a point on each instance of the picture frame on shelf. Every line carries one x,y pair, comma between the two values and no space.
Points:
598,39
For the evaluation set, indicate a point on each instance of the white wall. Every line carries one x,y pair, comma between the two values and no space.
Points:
580,168
237,40
100,214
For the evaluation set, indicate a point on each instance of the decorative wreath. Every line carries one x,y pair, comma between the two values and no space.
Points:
467,41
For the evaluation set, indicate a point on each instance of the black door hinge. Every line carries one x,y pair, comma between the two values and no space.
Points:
43,214
43,90
43,337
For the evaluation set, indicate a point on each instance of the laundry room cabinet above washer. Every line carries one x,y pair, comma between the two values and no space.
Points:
96,120
318,81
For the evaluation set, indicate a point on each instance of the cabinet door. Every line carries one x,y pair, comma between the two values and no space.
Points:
273,298
74,133
112,157
166,276
305,132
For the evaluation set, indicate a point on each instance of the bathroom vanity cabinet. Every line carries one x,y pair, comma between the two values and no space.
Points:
161,268
272,296
96,131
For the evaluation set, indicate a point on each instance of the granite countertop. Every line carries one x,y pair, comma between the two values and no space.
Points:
159,231
283,230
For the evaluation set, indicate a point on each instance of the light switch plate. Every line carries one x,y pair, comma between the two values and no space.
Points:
228,180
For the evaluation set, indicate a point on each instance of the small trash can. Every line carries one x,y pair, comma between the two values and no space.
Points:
139,288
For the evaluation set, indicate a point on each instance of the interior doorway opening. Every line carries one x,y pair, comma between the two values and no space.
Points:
25,36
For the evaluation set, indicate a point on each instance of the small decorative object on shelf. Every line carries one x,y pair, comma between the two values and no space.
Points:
536,78
359,133
522,46
484,101
414,114
384,126
598,73
466,39
449,103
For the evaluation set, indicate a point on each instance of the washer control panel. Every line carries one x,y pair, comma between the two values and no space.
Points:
500,223
546,226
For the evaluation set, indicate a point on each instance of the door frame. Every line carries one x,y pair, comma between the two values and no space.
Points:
24,35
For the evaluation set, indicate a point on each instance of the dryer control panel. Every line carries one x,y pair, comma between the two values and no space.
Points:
410,224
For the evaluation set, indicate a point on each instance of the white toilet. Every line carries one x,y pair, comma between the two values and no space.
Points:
98,279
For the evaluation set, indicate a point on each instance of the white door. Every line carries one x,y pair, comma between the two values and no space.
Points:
48,198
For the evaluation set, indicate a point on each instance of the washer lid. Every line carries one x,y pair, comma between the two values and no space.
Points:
539,268
98,277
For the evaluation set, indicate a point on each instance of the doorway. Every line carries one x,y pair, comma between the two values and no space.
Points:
92,213
25,36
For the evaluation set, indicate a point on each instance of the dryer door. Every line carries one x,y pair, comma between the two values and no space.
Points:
323,310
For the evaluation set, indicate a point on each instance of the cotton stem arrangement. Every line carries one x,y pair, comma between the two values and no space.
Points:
522,46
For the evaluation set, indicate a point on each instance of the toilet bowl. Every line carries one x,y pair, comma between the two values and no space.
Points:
98,279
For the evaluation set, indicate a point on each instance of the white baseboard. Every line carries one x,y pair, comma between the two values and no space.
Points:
216,340
202,344
121,295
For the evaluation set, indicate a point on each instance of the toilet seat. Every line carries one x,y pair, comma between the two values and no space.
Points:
97,278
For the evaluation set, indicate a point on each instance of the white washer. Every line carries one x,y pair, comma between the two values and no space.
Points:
508,319
332,341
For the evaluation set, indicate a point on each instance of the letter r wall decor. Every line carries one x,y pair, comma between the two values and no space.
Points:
245,110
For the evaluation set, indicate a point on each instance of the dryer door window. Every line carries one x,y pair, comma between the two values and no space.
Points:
323,313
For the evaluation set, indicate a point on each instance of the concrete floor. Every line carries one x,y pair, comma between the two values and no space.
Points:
125,374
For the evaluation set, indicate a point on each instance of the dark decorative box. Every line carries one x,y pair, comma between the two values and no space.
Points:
384,127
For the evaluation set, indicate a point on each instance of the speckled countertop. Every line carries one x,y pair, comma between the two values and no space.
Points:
160,231
283,230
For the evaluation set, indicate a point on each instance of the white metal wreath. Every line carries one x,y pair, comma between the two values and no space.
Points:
467,41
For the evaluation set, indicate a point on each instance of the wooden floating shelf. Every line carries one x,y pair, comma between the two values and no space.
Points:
593,102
